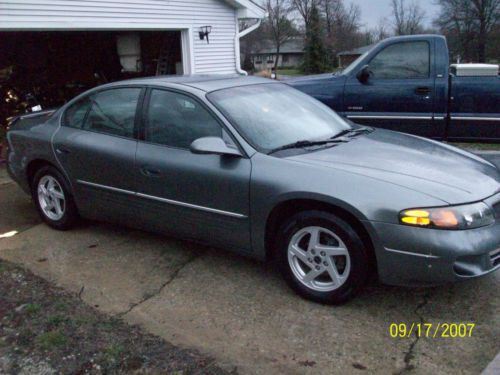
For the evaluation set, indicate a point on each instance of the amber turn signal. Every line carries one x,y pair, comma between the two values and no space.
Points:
416,217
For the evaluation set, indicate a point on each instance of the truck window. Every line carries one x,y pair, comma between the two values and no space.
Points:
409,60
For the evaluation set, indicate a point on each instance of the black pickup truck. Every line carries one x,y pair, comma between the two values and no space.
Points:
406,84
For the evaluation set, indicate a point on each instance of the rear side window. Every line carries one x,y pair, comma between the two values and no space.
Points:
75,114
177,120
113,112
409,60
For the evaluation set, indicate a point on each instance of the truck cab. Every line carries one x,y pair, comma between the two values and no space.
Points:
404,84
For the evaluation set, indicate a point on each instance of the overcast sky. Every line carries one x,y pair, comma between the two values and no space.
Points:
373,10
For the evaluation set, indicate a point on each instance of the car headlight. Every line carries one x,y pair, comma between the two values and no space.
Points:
453,217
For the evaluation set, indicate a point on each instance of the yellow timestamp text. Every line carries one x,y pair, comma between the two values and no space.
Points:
431,330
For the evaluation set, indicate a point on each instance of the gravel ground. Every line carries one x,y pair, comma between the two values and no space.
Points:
44,330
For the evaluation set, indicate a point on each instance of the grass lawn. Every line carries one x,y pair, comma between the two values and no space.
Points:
290,72
45,330
477,146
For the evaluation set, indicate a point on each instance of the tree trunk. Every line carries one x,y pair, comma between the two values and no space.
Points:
482,40
276,60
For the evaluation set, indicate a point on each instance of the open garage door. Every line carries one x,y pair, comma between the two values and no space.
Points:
51,67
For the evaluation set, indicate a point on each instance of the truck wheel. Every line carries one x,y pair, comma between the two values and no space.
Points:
53,199
322,257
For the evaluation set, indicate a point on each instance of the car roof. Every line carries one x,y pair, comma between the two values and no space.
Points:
205,83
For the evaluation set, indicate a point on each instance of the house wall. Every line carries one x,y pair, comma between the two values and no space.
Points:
188,15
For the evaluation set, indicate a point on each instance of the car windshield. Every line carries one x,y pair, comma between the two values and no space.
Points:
270,116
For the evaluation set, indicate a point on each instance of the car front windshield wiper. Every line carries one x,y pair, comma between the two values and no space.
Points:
352,132
306,143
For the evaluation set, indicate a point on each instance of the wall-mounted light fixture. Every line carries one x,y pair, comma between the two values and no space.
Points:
204,31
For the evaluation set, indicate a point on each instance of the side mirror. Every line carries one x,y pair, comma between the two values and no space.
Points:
212,146
364,74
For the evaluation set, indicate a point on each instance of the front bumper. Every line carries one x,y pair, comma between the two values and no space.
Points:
419,256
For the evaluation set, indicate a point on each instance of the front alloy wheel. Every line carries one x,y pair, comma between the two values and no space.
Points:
322,257
319,259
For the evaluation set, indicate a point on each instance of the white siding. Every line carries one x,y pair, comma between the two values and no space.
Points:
216,57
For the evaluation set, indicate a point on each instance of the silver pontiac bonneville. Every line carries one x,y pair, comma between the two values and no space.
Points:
258,167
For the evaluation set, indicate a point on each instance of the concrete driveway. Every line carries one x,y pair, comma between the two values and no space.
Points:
240,311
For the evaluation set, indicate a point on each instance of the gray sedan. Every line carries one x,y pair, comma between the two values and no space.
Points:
262,169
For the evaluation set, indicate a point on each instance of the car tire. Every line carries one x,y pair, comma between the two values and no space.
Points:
331,264
53,199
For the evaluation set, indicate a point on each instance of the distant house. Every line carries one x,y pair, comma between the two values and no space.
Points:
291,55
347,57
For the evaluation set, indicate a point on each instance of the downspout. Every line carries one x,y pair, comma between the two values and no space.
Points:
237,37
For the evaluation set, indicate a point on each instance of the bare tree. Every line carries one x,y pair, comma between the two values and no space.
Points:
342,24
488,14
305,8
331,9
408,17
280,25
456,21
379,32
469,24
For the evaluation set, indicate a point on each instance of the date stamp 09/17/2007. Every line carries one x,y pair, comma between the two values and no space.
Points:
431,330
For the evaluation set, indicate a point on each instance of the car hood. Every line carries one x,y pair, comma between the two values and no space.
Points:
429,167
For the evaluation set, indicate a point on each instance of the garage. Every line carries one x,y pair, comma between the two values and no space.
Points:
55,66
52,50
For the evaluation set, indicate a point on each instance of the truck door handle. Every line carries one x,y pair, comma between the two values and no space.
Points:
150,172
423,91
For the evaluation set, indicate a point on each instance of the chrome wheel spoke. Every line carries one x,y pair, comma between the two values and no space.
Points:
314,239
312,275
48,204
332,251
50,184
333,272
57,206
299,253
42,190
57,194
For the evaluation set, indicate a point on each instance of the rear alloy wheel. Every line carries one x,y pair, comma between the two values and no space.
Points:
322,257
53,199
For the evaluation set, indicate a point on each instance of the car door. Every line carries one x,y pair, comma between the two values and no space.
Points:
96,147
399,93
203,197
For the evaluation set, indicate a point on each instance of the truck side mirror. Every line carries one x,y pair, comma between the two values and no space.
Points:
364,74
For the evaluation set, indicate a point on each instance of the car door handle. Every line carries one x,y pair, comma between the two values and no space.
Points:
150,172
423,91
62,151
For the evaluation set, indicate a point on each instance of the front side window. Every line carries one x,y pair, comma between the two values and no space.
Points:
273,115
113,112
409,60
177,120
